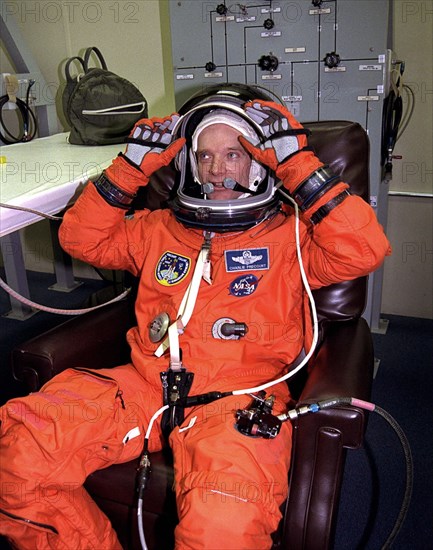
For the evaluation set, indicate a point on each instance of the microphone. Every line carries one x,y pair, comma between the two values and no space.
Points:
230,183
207,188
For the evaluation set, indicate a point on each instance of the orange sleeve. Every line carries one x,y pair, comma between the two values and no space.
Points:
101,235
348,243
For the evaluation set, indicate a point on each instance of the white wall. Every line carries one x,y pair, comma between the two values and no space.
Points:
408,286
128,33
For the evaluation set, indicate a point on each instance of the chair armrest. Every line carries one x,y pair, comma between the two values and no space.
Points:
93,340
343,367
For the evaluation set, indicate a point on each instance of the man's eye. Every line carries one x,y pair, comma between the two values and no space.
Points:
203,157
233,155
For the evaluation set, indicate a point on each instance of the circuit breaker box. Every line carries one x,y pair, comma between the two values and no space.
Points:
327,60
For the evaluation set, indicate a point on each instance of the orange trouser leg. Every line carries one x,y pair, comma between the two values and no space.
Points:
229,486
51,441
75,522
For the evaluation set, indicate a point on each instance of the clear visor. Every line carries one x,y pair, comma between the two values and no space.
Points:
192,192
193,206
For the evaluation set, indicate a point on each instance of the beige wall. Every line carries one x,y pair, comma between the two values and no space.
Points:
135,39
407,285
132,36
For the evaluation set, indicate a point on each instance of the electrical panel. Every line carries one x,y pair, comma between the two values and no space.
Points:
326,59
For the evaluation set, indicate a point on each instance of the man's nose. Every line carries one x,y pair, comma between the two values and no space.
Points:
217,166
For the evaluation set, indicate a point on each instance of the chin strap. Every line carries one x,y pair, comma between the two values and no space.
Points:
202,271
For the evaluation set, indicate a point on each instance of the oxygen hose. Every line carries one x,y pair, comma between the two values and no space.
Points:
315,407
145,466
409,477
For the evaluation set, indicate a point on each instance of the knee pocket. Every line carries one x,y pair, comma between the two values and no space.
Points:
70,400
220,503
231,488
75,413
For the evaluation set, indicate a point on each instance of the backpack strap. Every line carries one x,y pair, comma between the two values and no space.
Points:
68,66
98,53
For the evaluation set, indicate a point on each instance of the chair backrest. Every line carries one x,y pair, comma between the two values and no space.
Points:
346,148
344,145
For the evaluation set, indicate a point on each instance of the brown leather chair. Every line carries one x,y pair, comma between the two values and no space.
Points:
342,366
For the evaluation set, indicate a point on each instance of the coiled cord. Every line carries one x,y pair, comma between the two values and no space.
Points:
29,121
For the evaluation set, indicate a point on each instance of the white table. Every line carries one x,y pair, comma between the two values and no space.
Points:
47,175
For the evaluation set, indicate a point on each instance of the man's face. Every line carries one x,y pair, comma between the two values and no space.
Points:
220,156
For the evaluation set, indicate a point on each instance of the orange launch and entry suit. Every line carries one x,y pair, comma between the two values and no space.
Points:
229,487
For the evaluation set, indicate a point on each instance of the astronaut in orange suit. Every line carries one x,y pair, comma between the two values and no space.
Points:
220,257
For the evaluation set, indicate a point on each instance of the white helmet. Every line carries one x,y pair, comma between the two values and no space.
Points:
191,204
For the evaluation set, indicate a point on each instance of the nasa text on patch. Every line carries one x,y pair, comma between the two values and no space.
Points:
244,285
249,259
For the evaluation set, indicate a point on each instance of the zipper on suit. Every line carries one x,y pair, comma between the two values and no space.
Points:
119,393
30,522
95,373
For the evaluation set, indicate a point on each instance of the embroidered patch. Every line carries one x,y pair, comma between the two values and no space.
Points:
172,268
247,260
244,285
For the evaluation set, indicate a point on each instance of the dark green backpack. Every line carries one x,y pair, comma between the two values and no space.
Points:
100,106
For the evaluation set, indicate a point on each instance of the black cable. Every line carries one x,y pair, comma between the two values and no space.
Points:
411,103
144,467
315,407
28,119
391,118
409,476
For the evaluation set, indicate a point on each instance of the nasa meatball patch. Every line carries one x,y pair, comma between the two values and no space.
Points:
245,285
